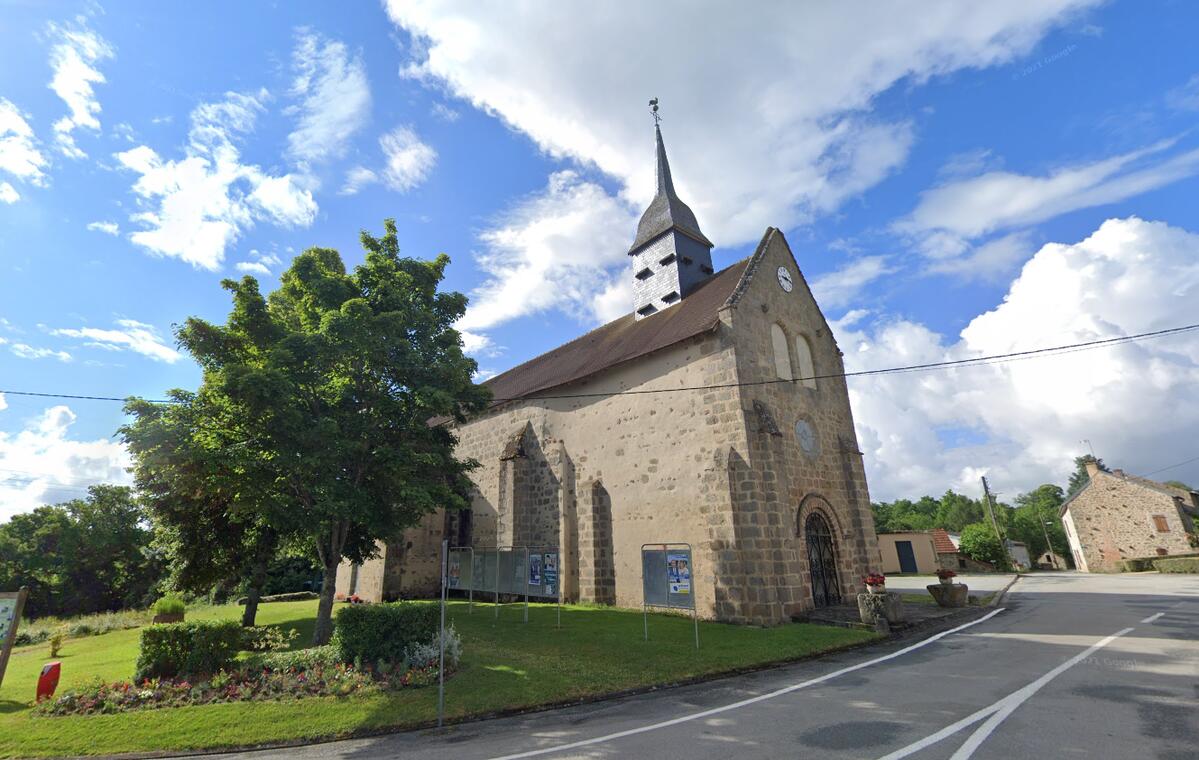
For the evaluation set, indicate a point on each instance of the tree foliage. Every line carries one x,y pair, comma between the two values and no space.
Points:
979,542
82,556
332,383
1080,477
216,511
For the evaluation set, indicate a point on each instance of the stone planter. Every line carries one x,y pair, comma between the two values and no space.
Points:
950,594
173,617
946,581
888,606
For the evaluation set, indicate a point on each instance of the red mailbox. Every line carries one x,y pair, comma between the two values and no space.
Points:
47,682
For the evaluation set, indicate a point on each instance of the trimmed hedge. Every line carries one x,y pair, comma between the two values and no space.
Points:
188,649
1177,565
170,605
368,633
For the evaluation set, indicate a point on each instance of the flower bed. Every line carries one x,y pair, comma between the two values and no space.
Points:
233,686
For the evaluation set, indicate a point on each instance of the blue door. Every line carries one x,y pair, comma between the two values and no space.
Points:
907,557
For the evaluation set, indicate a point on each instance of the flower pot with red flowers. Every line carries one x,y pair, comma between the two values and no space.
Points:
876,583
946,577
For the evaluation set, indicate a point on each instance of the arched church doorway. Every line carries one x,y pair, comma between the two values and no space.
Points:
822,560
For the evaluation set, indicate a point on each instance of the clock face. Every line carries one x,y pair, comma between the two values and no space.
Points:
785,279
807,437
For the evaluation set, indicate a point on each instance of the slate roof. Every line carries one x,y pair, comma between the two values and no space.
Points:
666,211
942,543
624,339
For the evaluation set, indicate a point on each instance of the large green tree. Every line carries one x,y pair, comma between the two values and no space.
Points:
1036,516
339,381
82,556
216,510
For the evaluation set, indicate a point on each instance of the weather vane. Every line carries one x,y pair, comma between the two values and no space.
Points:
653,107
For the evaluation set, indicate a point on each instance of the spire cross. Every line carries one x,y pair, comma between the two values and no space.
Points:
653,107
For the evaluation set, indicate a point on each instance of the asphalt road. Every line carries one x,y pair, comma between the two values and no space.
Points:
1074,666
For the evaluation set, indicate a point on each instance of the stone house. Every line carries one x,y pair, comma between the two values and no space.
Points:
715,413
1116,516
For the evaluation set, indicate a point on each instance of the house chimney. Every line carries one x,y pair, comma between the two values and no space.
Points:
1092,468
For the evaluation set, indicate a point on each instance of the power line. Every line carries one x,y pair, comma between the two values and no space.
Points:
1172,466
925,367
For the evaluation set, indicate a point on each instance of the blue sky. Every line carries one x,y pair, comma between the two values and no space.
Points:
953,182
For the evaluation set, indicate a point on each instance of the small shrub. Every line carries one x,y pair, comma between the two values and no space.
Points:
196,648
382,632
170,605
267,638
425,656
1177,565
56,640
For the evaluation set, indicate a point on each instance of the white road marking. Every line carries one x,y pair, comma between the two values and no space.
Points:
752,700
1151,618
999,711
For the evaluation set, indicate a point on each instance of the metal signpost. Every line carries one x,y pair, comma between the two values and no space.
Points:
445,556
11,605
668,581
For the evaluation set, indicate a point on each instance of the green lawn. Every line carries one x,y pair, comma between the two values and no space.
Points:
506,665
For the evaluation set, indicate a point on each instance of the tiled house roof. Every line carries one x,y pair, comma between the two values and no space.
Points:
942,543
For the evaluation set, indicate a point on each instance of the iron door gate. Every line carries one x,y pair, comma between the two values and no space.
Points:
822,561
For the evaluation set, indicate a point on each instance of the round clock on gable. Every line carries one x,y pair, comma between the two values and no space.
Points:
807,438
785,279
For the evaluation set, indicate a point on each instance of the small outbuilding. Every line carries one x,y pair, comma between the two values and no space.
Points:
908,552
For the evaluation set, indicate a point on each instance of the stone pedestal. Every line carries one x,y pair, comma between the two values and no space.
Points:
888,606
950,595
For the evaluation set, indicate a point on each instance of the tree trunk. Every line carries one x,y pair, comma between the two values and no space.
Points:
251,611
254,592
324,610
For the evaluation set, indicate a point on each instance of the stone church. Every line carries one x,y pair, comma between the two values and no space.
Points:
713,413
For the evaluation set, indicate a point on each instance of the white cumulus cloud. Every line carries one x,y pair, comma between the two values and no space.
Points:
407,162
779,128
840,287
195,207
73,59
1021,422
26,351
108,228
42,464
129,335
552,251
950,217
334,98
20,157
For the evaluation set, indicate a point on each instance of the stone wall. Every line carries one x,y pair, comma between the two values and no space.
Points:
787,480
599,474
1112,520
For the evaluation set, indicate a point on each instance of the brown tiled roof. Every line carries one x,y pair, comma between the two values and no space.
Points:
621,340
942,543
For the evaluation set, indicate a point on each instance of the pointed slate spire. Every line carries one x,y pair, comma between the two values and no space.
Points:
667,211
670,256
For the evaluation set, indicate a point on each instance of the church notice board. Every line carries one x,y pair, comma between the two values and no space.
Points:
666,576
11,605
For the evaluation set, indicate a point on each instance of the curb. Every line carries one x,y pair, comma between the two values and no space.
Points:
998,597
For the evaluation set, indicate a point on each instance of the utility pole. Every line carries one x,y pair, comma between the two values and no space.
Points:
994,522
1048,544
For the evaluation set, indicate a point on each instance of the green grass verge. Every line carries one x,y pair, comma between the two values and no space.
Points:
506,665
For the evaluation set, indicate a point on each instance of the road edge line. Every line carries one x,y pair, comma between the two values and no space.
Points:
752,700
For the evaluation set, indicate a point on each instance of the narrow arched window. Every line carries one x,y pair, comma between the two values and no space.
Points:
782,354
803,357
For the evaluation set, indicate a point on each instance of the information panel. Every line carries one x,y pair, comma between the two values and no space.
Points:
520,571
11,604
666,577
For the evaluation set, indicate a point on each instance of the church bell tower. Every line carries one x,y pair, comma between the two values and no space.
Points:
671,257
